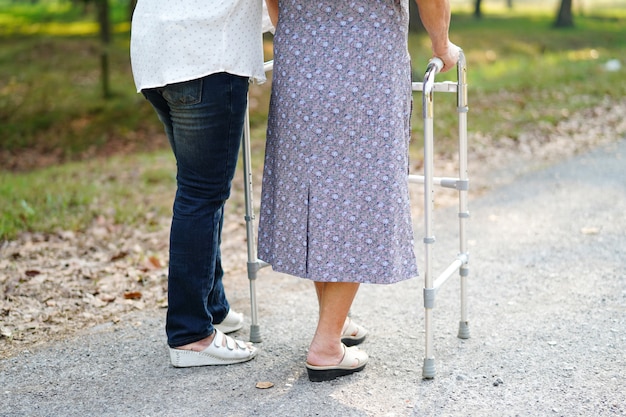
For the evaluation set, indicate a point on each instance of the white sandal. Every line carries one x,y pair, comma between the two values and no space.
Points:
223,350
232,322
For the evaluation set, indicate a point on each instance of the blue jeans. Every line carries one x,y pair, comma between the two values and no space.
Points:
203,121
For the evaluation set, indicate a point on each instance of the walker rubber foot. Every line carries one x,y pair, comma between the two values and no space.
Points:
464,332
429,368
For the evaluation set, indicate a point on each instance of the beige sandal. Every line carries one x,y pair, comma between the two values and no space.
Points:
352,333
354,360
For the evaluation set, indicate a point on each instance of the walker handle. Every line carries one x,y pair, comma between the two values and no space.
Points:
437,63
434,66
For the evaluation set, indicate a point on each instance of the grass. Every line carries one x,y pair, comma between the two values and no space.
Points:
521,72
127,189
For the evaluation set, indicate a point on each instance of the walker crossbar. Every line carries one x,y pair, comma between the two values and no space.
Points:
440,87
445,182
429,301
461,184
447,273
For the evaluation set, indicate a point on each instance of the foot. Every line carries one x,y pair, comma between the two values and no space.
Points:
352,334
232,322
354,360
221,350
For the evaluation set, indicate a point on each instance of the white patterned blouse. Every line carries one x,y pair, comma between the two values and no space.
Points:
176,41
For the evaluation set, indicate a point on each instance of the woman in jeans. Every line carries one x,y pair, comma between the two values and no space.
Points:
193,62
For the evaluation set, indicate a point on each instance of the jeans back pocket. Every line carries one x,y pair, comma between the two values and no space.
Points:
185,93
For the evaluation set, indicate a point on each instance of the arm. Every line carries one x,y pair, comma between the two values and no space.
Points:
272,8
435,15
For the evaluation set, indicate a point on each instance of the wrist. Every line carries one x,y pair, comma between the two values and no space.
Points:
441,48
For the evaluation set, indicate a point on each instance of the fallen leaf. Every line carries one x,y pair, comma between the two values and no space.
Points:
264,385
118,256
155,262
132,295
32,273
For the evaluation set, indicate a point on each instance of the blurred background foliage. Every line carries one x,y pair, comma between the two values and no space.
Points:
73,128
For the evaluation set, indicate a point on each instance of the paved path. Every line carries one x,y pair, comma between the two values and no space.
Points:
548,325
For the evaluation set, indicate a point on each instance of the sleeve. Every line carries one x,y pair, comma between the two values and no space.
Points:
267,23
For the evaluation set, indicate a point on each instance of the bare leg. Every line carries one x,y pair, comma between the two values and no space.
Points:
319,289
335,300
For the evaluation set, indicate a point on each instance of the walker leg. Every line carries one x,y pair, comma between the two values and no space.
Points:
255,328
462,109
253,263
429,370
464,331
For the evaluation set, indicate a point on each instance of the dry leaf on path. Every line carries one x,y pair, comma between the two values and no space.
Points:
132,295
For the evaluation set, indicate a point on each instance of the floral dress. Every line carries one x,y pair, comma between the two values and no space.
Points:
335,203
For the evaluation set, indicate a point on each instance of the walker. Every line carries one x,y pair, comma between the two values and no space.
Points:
459,263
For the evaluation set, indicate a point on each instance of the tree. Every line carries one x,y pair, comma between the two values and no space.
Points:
564,16
104,22
477,12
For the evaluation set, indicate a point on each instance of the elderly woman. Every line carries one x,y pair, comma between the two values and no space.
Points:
335,205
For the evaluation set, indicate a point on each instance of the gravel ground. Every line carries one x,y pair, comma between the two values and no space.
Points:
547,319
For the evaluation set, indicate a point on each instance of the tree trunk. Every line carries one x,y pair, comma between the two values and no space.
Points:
564,17
477,12
105,38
